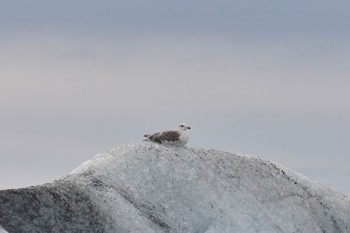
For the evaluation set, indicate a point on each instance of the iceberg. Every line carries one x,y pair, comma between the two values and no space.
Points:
149,188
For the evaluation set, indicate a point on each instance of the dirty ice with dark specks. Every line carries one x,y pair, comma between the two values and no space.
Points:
149,188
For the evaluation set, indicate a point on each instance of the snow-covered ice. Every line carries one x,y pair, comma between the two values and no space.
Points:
152,188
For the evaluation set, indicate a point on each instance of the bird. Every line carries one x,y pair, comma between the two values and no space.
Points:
176,138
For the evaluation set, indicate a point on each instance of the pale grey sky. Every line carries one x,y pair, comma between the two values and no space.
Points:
260,77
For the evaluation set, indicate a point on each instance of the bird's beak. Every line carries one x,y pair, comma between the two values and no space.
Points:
188,127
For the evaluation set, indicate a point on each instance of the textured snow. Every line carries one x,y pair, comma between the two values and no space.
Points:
152,188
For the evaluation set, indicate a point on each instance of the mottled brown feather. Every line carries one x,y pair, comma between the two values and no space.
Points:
160,137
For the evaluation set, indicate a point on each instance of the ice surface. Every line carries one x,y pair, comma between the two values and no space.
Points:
151,188
2,230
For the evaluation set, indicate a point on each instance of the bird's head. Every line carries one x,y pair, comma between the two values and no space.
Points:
183,127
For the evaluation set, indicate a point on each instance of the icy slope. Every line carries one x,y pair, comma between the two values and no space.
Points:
2,230
150,188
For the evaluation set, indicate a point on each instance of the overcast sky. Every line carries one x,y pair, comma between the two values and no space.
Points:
261,77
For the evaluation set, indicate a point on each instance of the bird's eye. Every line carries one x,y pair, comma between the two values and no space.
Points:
181,125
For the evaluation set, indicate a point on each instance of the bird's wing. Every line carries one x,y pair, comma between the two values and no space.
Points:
165,136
